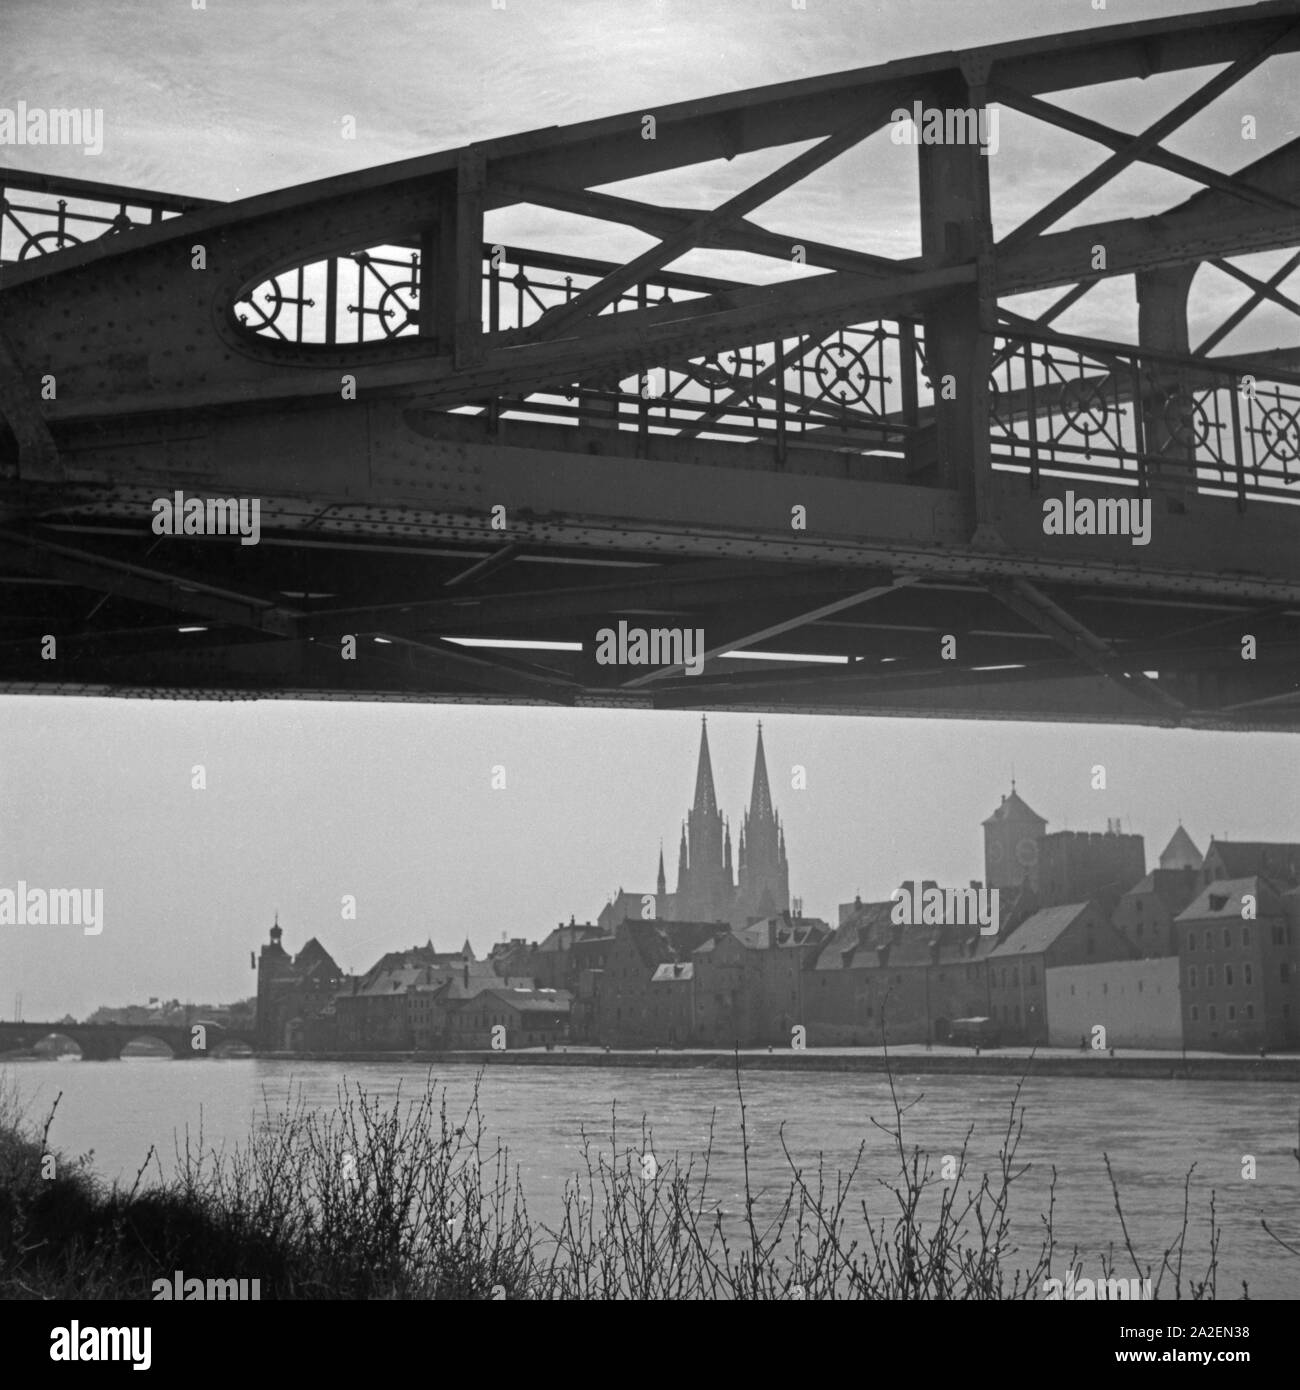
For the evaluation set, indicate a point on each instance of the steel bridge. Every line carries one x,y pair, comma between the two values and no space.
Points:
457,443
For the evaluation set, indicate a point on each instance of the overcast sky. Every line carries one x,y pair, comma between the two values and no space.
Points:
307,802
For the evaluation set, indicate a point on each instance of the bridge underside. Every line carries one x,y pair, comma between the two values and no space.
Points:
839,479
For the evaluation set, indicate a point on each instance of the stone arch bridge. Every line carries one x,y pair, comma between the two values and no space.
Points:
102,1042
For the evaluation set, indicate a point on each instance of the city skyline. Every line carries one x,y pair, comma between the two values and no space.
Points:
308,802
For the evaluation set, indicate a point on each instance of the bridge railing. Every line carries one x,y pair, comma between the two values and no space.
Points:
1089,409
1060,406
41,214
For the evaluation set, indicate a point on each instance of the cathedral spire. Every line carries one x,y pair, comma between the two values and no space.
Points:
706,801
760,800
661,884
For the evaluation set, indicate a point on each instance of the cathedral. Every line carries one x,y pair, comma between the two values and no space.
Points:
711,887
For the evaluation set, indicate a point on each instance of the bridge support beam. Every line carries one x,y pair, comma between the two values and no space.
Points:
1165,403
956,231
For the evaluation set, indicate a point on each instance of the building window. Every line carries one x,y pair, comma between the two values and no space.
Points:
1105,988
1250,1011
1015,976
1245,936
1232,1013
1227,974
1250,974
1209,977
1214,1014
1191,941
1071,991
1033,975
1285,971
1191,977
1196,1014
1227,938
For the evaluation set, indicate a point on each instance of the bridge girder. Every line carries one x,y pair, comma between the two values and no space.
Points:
373,508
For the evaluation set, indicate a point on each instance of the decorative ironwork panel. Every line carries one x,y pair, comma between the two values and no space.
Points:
37,222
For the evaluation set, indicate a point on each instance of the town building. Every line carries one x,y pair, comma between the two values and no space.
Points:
1137,1003
877,980
1145,913
1234,859
1078,865
1240,960
1062,935
525,1018
295,996
635,1002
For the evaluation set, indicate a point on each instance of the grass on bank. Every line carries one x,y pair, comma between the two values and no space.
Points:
406,1201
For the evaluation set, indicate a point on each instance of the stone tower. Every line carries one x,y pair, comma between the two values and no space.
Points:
1011,848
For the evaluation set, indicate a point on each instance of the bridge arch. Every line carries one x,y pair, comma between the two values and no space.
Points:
129,1037
68,1044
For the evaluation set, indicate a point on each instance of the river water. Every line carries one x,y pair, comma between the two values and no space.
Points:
1152,1130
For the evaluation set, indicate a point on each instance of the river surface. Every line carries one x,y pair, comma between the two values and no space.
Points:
1152,1130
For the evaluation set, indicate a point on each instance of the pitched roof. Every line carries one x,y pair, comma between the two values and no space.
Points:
535,1001
866,927
1222,899
1181,852
939,945
657,941
313,954
1241,858
1174,887
1040,932
563,938
1014,808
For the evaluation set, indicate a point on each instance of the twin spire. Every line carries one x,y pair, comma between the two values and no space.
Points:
710,884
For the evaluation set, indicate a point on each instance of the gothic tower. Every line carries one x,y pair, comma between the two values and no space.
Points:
1011,836
764,888
704,883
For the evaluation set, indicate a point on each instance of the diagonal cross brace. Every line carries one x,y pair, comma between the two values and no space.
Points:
1049,617
1147,141
605,291
143,584
741,640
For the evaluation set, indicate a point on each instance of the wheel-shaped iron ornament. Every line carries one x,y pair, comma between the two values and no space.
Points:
275,296
842,373
1084,406
1281,435
398,306
1186,421
35,244
711,373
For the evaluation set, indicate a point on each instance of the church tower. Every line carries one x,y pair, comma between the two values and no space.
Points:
704,883
764,887
1011,836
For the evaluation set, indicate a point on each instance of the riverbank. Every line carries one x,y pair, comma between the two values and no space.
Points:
1146,1066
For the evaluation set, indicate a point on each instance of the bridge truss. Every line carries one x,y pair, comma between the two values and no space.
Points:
457,441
